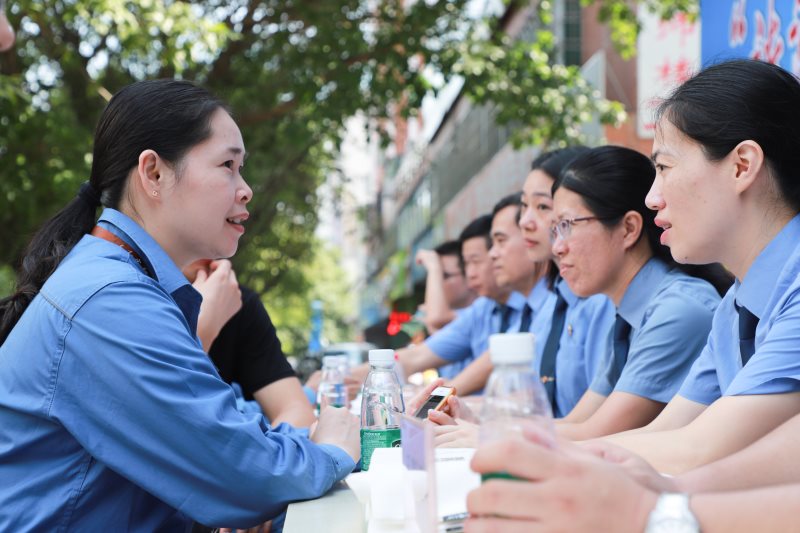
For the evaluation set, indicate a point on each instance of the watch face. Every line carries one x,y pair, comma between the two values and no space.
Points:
672,514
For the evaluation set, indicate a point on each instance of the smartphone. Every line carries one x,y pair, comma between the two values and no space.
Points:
435,401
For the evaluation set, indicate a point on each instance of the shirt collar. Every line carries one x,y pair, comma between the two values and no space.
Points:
158,262
641,288
563,289
516,301
538,295
764,273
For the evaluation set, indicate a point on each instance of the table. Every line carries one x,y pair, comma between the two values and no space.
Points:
338,511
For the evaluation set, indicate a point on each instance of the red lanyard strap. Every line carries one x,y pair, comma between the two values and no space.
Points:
102,233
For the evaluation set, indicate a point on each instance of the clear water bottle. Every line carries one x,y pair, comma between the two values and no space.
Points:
514,396
381,401
332,390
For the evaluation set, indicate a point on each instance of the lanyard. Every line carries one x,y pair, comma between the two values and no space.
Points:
102,233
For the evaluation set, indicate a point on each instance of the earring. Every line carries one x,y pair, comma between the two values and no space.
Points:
155,194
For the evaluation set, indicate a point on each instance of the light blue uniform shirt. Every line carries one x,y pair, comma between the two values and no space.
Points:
771,291
670,314
582,348
112,418
542,301
467,337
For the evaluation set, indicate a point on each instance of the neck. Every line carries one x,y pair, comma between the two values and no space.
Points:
751,239
635,259
526,285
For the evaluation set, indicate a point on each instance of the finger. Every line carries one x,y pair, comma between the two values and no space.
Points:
221,268
419,399
440,418
540,435
510,499
518,457
201,276
446,434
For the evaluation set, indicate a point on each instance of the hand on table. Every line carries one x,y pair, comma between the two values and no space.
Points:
462,434
559,489
635,466
338,427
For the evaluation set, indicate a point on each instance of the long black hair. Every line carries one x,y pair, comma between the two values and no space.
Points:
553,163
167,116
613,180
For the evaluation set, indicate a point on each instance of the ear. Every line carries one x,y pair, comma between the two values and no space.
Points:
148,173
748,161
631,225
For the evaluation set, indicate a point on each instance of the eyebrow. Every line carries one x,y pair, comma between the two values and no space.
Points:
236,150
542,194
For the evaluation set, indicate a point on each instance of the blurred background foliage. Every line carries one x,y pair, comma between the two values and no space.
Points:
293,72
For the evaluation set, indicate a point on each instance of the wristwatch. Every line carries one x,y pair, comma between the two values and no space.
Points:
672,515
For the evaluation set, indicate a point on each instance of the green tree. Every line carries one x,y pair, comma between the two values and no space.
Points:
291,309
293,71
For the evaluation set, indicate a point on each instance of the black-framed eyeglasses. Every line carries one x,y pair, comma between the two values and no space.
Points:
563,228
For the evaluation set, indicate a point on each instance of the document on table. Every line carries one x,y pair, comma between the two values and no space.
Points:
454,480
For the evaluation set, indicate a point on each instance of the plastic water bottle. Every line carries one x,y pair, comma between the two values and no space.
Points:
332,390
381,401
514,395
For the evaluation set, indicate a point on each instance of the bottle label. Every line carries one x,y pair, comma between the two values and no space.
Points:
498,475
377,438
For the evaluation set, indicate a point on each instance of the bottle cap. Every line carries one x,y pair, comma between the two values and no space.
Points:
381,356
511,348
330,360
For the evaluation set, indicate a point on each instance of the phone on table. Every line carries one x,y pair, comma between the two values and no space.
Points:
436,401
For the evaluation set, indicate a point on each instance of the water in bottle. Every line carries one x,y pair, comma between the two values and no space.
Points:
332,390
514,395
381,401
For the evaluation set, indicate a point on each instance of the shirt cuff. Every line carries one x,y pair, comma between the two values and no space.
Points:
343,464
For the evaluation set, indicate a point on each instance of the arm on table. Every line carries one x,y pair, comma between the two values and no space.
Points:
771,460
678,413
619,412
285,401
557,492
588,405
726,426
473,378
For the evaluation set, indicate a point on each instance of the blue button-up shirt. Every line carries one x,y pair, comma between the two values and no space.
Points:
112,418
771,291
670,314
467,337
542,302
582,348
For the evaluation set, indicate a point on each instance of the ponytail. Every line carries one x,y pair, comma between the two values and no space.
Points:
49,246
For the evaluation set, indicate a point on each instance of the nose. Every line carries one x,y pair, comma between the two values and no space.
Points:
244,193
654,199
559,247
526,219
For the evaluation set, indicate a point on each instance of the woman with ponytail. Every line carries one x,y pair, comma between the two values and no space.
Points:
111,415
